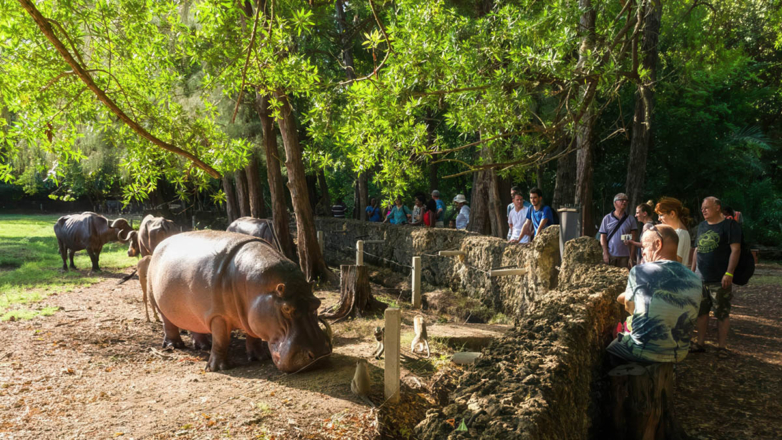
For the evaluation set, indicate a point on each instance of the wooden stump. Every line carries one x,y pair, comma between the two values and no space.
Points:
356,298
642,399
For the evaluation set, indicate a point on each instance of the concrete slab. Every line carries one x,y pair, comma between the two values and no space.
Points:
471,337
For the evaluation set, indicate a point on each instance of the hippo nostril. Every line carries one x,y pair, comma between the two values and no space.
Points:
311,355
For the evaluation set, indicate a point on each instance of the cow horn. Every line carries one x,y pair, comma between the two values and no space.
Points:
129,237
116,223
329,332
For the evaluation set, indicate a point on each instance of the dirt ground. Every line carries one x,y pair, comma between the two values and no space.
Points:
96,370
739,397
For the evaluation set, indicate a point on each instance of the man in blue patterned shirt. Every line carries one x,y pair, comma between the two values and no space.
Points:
662,297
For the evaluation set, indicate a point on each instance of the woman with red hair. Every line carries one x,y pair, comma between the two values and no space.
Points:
671,212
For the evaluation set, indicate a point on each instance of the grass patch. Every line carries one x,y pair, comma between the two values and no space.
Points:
765,280
30,265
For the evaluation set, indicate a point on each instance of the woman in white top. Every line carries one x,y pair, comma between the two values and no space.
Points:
463,219
671,212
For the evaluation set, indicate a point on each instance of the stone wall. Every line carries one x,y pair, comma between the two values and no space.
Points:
512,295
538,382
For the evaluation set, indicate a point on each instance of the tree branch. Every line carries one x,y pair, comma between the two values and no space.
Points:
247,60
47,30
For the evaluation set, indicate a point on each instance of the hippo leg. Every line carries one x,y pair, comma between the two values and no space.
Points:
70,256
257,349
221,339
171,336
201,341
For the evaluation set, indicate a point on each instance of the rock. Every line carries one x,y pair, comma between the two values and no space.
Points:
465,358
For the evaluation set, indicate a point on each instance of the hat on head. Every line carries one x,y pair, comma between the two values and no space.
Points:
460,199
435,193
620,196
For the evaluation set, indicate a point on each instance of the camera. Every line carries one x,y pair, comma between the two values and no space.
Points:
627,237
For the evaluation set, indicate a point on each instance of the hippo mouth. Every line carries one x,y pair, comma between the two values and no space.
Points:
311,364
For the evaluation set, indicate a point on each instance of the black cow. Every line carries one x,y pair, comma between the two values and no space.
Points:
88,231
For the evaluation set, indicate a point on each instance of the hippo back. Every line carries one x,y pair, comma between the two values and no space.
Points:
256,227
153,231
194,274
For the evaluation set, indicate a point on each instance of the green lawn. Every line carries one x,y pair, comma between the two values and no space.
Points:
30,265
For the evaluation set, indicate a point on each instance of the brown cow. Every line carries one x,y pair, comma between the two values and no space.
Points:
88,231
152,231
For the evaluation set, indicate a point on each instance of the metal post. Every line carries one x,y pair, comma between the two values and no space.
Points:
194,222
392,372
416,282
360,253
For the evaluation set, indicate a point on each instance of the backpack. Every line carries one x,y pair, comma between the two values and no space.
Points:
746,266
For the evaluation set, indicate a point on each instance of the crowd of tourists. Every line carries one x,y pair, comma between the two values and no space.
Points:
675,280
428,212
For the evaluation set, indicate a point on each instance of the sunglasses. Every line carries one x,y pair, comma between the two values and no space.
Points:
654,228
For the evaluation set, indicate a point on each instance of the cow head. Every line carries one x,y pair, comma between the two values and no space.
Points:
132,238
288,320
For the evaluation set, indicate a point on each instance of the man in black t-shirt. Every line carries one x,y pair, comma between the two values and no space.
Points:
717,250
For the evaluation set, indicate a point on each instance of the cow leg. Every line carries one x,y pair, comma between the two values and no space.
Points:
63,254
201,341
94,258
171,336
221,339
257,349
143,267
70,256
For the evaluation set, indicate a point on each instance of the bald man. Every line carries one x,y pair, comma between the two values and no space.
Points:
717,251
662,297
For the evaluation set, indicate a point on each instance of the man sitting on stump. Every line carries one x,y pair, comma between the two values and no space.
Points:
662,297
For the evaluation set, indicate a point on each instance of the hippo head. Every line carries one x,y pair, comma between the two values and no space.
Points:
288,320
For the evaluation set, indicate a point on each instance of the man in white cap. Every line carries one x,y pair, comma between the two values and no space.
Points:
617,251
440,209
464,211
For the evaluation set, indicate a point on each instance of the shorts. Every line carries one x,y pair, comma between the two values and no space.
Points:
718,298
619,261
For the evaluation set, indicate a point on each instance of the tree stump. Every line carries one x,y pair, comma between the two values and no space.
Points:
642,399
356,298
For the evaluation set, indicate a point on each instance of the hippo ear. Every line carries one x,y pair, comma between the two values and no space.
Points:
280,290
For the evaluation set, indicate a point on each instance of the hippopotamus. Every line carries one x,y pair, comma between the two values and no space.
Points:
152,231
88,231
257,228
211,282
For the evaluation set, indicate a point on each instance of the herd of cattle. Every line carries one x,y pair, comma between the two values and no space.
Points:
211,282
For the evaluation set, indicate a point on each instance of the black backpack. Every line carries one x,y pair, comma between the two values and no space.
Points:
746,266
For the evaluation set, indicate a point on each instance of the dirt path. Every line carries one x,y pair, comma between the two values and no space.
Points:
95,370
739,397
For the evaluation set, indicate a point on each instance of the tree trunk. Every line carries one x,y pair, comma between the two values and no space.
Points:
347,53
584,137
480,220
255,187
356,300
363,194
274,173
310,258
325,198
230,199
312,190
641,140
431,135
565,186
242,195
642,403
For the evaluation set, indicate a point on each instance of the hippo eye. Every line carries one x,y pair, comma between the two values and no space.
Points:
287,309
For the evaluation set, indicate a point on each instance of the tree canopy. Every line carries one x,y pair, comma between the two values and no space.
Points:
392,90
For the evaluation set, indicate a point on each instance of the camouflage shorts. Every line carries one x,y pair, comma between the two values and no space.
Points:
718,298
